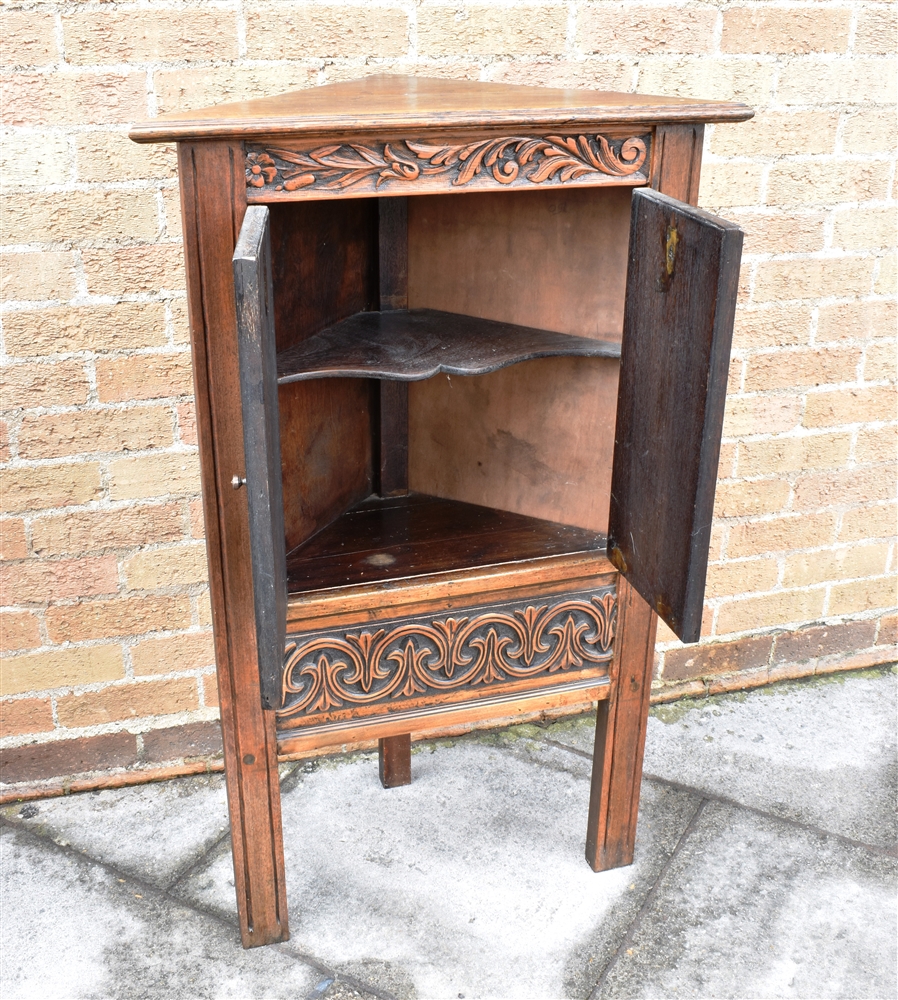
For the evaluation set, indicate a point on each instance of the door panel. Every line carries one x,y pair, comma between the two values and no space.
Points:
682,281
261,440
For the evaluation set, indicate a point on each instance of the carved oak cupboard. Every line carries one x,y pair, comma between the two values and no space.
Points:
460,354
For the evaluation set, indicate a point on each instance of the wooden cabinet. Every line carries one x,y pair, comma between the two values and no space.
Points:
460,353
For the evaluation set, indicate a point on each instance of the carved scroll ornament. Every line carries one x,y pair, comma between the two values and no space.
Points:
506,160
414,659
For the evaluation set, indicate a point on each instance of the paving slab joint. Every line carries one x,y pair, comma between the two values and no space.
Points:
634,924
819,831
148,889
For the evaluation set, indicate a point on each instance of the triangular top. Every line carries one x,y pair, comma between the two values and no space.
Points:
403,103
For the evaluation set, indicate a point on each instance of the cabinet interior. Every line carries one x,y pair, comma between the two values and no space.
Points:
502,465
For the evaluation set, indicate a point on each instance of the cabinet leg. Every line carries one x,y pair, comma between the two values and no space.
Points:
395,760
254,804
620,736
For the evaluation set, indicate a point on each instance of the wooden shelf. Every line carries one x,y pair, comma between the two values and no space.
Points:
409,345
388,538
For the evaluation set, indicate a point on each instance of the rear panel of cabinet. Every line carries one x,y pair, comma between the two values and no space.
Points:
535,438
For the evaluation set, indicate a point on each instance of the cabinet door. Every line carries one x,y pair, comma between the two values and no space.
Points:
682,281
261,442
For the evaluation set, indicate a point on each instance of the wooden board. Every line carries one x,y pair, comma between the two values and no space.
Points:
259,403
462,654
502,708
391,101
213,204
398,537
410,345
534,438
678,324
620,736
484,160
437,592
390,399
325,269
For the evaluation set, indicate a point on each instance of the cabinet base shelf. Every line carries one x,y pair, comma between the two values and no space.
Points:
391,538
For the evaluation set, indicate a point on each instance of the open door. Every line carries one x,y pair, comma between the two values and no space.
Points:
262,446
682,281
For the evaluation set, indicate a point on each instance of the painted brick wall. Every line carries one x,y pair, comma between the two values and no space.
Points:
105,615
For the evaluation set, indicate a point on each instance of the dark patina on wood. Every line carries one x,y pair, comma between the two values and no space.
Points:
415,344
262,444
404,663
521,215
390,538
335,169
395,760
682,281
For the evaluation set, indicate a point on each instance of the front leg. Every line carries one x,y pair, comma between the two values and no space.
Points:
620,736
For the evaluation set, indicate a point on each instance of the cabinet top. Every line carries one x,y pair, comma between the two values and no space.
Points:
378,103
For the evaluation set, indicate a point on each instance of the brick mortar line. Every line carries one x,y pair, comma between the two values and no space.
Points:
99,457
780,631
42,789
523,60
140,726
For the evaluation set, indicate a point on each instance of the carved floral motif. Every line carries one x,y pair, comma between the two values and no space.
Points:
260,170
537,160
407,659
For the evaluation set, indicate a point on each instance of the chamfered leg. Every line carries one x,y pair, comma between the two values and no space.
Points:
620,736
395,759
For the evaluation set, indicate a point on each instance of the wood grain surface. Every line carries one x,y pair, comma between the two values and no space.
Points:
392,538
390,102
678,326
533,438
325,269
213,205
395,760
262,444
410,345
620,736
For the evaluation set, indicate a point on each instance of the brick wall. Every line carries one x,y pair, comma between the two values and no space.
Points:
106,615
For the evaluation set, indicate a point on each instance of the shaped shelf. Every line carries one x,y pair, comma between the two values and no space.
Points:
409,345
387,538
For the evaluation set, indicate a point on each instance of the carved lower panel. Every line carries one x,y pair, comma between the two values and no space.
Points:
404,166
402,663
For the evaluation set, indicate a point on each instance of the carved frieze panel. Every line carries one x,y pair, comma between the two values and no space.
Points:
395,663
406,166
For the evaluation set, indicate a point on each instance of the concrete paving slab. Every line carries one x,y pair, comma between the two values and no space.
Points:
72,929
152,831
823,752
754,907
469,882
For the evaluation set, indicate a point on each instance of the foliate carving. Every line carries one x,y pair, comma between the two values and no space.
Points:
416,658
539,160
